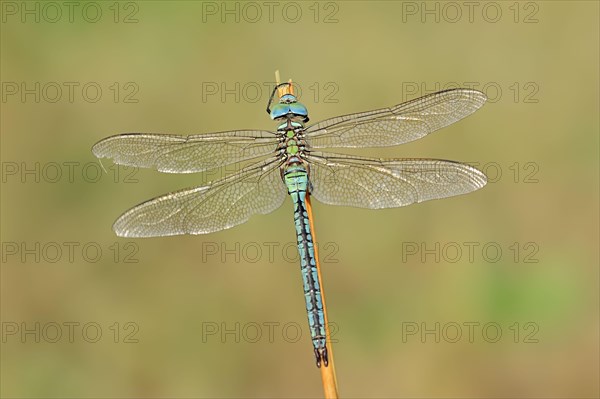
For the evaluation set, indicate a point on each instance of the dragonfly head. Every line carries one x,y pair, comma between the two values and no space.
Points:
289,107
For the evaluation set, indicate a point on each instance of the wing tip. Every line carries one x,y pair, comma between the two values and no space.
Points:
97,149
121,231
100,146
479,97
477,177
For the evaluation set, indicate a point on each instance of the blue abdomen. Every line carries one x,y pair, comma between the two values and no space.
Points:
296,181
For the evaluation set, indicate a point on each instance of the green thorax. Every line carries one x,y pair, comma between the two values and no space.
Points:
293,139
294,170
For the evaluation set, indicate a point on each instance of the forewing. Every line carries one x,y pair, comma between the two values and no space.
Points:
396,125
375,184
223,204
186,154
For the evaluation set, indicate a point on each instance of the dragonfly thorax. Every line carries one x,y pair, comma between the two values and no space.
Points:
292,138
289,125
293,145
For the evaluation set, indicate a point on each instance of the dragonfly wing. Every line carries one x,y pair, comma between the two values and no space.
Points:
376,183
256,189
396,125
186,154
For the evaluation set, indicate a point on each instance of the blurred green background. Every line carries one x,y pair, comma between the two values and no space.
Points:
417,295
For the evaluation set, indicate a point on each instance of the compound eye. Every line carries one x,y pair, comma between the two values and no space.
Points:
279,110
298,109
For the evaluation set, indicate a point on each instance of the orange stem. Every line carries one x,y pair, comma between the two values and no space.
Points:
327,373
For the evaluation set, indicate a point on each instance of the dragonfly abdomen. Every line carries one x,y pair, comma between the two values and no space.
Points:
296,180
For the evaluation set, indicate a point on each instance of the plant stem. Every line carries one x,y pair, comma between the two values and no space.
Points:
327,373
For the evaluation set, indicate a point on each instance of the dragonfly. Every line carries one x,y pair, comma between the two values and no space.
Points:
287,161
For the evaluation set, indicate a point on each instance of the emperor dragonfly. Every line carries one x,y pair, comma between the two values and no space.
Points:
290,166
